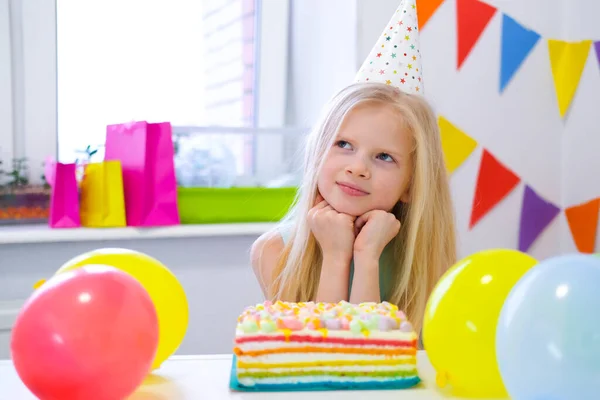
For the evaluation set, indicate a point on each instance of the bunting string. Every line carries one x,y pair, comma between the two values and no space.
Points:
567,59
495,181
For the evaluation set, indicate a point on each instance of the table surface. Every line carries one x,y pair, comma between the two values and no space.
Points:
207,377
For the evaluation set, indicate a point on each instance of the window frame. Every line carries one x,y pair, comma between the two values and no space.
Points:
6,82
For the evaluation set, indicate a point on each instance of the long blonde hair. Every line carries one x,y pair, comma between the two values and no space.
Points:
425,246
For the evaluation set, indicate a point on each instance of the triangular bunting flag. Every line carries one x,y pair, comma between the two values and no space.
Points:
456,144
583,223
597,47
567,60
517,43
425,9
494,182
536,215
472,16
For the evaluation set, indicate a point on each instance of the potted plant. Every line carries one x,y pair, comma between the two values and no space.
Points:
20,201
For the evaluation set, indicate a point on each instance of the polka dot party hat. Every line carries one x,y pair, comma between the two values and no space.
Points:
395,59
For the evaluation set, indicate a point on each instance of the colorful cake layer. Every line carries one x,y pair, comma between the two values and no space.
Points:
301,346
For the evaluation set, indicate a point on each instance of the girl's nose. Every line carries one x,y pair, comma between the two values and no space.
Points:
358,168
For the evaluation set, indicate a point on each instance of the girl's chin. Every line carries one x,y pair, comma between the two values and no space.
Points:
343,208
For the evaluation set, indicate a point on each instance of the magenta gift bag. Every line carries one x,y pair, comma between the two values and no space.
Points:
64,198
146,153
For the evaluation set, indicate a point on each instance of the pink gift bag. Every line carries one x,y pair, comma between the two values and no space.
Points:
146,153
64,198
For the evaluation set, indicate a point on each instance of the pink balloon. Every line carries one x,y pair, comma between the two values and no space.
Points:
90,333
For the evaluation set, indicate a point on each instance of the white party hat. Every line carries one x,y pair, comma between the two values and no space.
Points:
395,59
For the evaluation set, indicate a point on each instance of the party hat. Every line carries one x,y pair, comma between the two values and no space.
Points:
395,59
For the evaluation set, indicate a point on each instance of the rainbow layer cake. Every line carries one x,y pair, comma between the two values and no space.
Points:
320,346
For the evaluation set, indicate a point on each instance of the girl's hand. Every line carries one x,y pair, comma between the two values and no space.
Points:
374,229
334,231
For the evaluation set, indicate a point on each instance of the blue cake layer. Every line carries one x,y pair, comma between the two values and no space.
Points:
403,383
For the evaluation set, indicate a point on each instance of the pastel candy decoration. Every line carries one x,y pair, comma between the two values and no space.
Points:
293,324
314,324
387,323
268,326
406,326
361,318
373,322
345,324
250,326
356,326
333,324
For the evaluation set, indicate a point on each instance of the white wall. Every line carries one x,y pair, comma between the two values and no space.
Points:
521,127
214,272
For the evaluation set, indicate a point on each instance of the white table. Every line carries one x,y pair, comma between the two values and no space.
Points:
207,377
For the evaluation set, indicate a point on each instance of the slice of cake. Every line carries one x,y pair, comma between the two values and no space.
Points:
319,346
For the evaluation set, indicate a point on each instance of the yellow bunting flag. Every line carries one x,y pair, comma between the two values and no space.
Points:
456,144
567,60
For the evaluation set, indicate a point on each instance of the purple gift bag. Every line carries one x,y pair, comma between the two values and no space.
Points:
64,198
146,153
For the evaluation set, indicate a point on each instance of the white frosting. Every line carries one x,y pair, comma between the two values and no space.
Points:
253,346
344,368
306,357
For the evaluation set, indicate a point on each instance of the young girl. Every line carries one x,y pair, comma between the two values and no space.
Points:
373,218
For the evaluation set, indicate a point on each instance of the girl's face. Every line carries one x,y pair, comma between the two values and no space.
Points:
369,166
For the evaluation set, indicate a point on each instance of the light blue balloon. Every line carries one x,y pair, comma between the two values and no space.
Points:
548,334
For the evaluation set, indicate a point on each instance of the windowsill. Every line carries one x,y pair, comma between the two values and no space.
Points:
17,234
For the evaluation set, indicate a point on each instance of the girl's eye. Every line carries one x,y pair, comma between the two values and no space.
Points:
343,144
385,157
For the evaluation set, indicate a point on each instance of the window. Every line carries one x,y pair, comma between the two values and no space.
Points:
74,67
189,62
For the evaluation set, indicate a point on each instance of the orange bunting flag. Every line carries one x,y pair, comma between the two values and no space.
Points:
472,16
583,223
426,9
494,182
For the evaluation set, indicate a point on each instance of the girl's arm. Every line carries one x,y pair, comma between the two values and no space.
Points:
365,283
377,228
265,254
333,282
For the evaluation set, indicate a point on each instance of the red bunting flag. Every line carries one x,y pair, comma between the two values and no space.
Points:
472,16
583,223
494,182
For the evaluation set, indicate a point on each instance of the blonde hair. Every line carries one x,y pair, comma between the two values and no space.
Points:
425,246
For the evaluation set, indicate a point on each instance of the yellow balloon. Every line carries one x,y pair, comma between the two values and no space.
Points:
163,287
459,328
